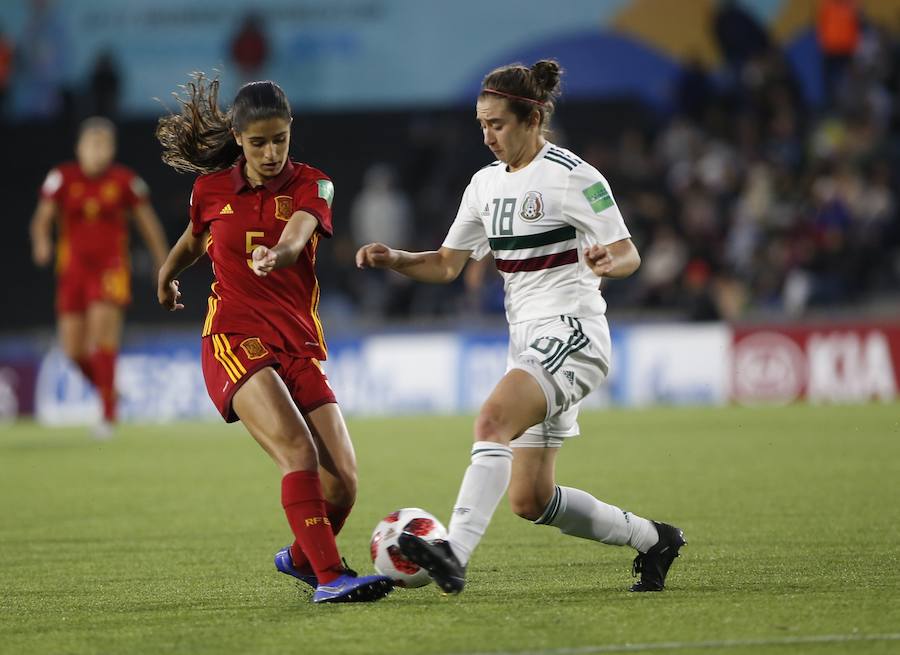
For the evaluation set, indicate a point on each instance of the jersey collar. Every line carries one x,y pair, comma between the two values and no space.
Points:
273,186
537,156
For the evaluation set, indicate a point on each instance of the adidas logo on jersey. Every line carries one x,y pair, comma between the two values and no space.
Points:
226,209
486,211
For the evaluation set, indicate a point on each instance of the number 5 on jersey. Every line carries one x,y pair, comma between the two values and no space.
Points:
250,236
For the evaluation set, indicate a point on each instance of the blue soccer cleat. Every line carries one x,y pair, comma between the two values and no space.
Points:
351,589
285,563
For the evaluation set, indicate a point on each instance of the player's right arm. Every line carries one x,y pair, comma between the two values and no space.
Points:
187,250
437,266
41,230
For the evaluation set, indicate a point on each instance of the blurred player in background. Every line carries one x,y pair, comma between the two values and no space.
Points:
551,223
260,217
90,201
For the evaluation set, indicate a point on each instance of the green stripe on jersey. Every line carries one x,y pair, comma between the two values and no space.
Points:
558,235
598,196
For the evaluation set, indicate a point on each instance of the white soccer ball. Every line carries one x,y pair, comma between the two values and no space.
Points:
385,551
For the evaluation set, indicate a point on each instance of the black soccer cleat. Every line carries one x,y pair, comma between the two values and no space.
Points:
654,564
437,558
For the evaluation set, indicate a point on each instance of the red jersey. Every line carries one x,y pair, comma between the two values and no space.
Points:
281,308
93,215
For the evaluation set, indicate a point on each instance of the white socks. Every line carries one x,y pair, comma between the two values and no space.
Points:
482,487
579,514
573,511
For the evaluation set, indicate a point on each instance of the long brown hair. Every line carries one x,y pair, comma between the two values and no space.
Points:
200,138
526,89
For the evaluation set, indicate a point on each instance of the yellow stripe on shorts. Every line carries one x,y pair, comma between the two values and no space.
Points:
221,356
213,304
230,354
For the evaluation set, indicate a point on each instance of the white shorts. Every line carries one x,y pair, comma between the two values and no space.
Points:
569,357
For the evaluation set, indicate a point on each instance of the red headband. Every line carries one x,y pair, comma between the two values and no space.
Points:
511,96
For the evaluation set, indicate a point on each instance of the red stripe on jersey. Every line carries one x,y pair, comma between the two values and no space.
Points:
537,263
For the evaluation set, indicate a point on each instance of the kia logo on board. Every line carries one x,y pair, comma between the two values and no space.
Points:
768,368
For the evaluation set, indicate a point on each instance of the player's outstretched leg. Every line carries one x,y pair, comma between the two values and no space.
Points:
484,483
348,588
653,565
285,563
579,514
437,558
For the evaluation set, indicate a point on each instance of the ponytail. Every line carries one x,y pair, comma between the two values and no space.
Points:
200,139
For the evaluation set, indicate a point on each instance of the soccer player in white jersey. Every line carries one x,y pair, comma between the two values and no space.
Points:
553,227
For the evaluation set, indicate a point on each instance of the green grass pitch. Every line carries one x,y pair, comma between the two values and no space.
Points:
161,541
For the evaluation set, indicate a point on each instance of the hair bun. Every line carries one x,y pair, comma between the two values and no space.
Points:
546,73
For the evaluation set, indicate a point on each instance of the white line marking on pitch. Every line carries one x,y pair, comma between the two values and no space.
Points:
684,645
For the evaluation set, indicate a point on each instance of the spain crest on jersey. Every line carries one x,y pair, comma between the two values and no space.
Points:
532,206
253,348
110,192
284,208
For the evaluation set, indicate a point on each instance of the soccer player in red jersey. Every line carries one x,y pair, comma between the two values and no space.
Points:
260,216
90,200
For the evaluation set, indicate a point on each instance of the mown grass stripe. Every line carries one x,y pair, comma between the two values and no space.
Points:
691,645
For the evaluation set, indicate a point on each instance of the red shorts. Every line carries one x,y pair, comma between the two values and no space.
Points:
230,359
77,289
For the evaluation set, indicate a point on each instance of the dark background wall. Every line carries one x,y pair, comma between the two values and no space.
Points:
437,149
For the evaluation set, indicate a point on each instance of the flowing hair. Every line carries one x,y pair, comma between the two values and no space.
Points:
200,138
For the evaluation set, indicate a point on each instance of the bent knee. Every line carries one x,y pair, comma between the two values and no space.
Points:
74,351
294,449
293,439
490,424
342,491
528,507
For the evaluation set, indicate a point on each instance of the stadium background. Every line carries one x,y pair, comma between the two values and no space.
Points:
754,162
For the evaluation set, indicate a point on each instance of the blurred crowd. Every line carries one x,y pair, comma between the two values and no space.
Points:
746,200
746,197
751,200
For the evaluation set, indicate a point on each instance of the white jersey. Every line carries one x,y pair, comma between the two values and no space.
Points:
537,222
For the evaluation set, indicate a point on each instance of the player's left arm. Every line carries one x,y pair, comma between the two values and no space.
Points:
293,240
41,230
589,204
148,224
617,259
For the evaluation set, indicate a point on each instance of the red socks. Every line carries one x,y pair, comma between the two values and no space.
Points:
301,497
337,516
100,370
84,365
103,370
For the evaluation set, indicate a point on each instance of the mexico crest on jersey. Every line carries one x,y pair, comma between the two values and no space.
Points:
284,207
532,206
